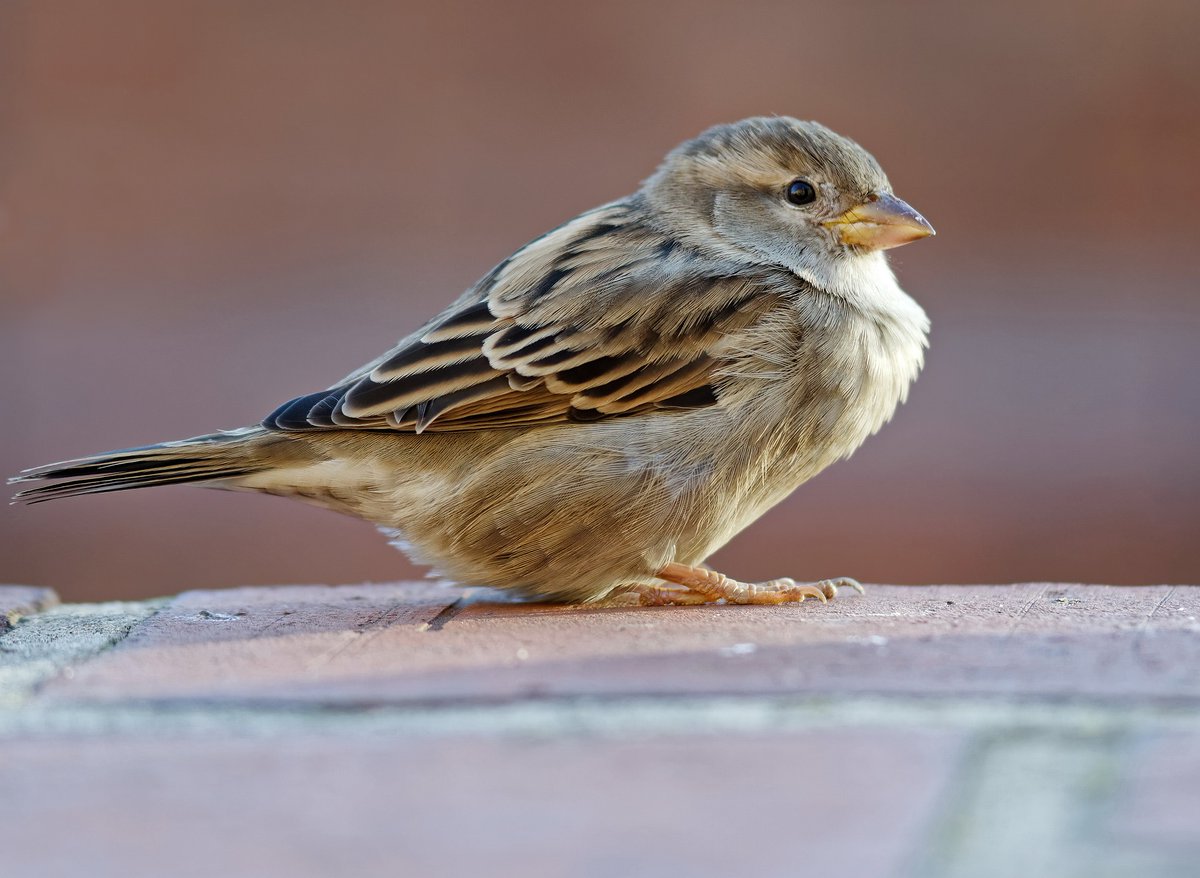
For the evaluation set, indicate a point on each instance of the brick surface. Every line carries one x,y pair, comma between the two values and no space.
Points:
853,803
22,600
915,732
238,639
406,643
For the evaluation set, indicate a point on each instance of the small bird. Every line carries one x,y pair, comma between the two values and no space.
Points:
616,400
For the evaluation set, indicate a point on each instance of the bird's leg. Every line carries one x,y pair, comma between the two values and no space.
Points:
714,586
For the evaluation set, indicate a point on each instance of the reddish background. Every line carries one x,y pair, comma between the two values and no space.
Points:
209,207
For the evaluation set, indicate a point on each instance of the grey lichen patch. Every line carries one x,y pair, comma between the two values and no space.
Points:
18,601
1037,802
51,643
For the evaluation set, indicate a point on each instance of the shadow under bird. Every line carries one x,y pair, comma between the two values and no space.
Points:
616,400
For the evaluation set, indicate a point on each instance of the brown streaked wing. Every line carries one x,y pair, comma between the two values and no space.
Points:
597,319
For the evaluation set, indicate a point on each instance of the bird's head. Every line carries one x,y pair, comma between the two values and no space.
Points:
788,192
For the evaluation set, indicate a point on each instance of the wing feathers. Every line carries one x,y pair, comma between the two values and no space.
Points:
424,357
472,320
295,414
644,386
599,318
368,398
596,371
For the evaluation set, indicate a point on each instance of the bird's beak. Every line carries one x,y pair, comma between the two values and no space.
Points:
881,223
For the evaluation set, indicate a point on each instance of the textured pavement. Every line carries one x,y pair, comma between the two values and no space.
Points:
410,729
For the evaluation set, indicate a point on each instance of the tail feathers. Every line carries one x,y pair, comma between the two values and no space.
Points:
202,459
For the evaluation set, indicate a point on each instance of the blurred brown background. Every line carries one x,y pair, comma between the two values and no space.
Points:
207,208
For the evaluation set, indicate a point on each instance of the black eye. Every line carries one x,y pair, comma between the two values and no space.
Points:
801,192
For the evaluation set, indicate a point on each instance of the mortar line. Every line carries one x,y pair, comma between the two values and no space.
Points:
1157,607
1016,622
357,637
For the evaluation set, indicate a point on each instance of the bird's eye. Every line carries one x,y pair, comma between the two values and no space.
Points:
801,192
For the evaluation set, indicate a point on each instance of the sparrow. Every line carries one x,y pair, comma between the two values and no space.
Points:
618,398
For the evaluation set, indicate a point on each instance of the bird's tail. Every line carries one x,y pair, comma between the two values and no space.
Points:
216,458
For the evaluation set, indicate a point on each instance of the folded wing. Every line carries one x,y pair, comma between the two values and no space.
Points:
602,317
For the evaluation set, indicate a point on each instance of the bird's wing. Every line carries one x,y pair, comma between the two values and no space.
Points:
601,317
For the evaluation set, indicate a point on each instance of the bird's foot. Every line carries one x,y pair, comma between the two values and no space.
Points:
701,586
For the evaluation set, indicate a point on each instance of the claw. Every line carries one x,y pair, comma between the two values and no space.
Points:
788,589
830,586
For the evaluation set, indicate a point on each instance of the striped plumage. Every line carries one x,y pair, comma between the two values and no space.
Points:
620,396
558,332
